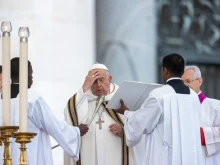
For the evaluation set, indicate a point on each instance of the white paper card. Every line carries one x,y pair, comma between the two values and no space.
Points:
133,94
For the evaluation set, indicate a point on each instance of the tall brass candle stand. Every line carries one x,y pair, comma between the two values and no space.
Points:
23,138
6,134
1,140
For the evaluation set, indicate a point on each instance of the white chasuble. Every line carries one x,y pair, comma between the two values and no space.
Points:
210,122
170,122
99,146
42,121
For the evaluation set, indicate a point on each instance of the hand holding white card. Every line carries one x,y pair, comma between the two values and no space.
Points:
132,93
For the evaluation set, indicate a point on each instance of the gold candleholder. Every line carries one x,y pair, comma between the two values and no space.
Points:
1,140
23,138
6,133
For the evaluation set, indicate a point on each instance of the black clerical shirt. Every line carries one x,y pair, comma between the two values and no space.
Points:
178,86
14,90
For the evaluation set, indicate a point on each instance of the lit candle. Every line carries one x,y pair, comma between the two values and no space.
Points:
6,74
23,78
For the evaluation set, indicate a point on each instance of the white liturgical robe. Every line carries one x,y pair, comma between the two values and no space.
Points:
100,146
171,124
210,122
42,121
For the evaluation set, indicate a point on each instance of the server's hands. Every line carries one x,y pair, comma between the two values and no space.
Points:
83,129
123,108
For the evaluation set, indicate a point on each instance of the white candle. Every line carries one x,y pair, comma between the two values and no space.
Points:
6,74
23,78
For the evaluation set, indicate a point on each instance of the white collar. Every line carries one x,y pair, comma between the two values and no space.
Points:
173,78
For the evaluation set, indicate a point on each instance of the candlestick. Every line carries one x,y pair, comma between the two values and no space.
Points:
23,138
6,134
23,78
6,74
1,140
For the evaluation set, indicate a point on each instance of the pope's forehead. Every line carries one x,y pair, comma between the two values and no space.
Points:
98,69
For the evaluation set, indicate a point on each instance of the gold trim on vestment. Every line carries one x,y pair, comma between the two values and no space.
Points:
74,118
116,117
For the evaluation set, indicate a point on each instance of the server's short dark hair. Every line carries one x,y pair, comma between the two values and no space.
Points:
15,67
175,63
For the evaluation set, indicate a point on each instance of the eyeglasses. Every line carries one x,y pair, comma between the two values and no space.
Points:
189,81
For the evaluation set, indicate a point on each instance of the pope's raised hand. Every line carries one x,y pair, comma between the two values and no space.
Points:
90,79
116,129
83,129
123,107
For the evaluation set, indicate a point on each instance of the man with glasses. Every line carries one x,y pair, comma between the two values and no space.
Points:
209,117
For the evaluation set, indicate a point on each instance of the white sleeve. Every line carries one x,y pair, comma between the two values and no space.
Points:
66,135
81,97
212,136
142,121
81,107
212,139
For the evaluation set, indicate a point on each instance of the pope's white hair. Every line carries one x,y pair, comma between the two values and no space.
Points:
196,70
107,72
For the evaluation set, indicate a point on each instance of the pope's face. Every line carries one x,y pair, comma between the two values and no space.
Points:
191,81
101,85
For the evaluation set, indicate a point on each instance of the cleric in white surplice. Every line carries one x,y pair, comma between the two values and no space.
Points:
170,119
209,117
42,121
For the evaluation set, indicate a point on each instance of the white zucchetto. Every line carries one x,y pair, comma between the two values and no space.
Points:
98,66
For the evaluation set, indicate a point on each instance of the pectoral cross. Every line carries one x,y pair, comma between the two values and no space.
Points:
99,122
